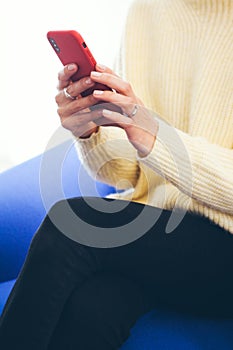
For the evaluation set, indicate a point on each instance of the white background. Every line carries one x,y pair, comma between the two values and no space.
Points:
29,66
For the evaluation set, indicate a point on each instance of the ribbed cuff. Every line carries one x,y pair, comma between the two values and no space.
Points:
84,145
174,157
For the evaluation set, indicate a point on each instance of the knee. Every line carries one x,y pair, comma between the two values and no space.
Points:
49,237
52,241
62,220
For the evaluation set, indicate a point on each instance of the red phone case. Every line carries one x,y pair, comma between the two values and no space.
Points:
71,48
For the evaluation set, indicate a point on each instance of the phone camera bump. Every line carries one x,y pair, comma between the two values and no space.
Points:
55,46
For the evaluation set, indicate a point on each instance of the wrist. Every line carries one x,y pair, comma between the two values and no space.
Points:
144,149
88,134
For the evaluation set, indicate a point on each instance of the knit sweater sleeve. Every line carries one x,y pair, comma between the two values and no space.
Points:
199,169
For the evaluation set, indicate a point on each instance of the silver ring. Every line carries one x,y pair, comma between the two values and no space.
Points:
134,111
67,95
132,114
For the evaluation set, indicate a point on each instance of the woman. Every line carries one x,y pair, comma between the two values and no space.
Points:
178,57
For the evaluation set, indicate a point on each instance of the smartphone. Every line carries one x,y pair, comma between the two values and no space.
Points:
70,47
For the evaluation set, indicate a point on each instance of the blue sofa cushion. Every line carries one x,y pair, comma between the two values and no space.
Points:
27,192
5,289
165,330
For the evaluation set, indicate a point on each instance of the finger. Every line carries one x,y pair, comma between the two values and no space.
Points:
113,82
79,131
75,106
80,86
84,119
102,68
74,89
124,102
80,119
117,119
64,76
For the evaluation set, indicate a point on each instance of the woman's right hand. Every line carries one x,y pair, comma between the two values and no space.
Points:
75,114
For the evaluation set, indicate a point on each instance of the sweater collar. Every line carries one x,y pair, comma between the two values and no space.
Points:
211,4
216,7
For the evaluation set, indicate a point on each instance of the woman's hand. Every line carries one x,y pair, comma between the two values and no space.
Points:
74,111
139,124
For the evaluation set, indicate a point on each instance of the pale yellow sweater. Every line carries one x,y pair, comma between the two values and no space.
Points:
178,56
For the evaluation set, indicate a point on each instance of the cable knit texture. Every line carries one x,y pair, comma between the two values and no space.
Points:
178,56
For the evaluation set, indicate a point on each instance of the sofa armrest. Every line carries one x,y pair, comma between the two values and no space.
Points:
27,192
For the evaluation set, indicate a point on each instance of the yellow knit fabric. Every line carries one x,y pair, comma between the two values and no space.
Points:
178,56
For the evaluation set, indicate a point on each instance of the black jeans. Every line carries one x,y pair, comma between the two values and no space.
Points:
74,296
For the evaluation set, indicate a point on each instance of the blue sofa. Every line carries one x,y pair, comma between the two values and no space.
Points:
26,192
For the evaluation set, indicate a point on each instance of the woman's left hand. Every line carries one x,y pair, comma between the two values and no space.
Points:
139,124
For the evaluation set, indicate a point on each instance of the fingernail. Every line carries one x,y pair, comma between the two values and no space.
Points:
88,81
98,92
101,66
71,67
96,74
107,112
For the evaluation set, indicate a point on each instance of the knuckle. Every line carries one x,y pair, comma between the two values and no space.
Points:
127,87
74,107
105,76
60,75
59,112
91,100
57,99
70,89
83,83
65,123
131,101
62,122
108,79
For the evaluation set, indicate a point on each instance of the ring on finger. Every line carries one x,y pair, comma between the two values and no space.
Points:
133,113
67,95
